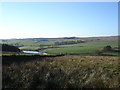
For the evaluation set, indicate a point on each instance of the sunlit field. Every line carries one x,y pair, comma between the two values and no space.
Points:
57,45
63,72
48,45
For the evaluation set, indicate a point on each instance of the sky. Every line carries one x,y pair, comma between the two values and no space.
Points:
58,19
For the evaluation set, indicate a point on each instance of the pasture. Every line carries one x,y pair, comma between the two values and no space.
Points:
89,47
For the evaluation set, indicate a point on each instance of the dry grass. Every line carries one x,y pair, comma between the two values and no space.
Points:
64,72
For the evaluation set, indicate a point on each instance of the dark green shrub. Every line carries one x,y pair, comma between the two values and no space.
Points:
98,52
10,48
107,48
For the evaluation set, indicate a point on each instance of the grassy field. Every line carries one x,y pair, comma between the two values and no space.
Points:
88,48
63,72
48,46
84,65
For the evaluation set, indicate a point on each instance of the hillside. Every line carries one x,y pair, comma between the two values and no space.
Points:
107,38
70,63
67,45
62,72
102,38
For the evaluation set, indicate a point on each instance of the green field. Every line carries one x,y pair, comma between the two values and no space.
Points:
89,47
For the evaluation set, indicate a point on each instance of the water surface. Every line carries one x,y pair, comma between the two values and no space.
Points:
35,52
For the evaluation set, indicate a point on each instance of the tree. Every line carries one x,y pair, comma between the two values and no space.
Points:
10,48
107,48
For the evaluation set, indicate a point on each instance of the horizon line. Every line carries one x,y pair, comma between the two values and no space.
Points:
62,37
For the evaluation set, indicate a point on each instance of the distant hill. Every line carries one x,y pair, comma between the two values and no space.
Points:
70,37
105,38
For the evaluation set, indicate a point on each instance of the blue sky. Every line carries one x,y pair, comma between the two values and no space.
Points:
60,19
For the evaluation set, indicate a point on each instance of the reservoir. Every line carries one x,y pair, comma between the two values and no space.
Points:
35,52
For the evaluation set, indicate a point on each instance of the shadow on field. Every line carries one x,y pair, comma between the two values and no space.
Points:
7,60
116,50
106,55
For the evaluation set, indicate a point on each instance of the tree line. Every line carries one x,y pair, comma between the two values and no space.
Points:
10,48
69,42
